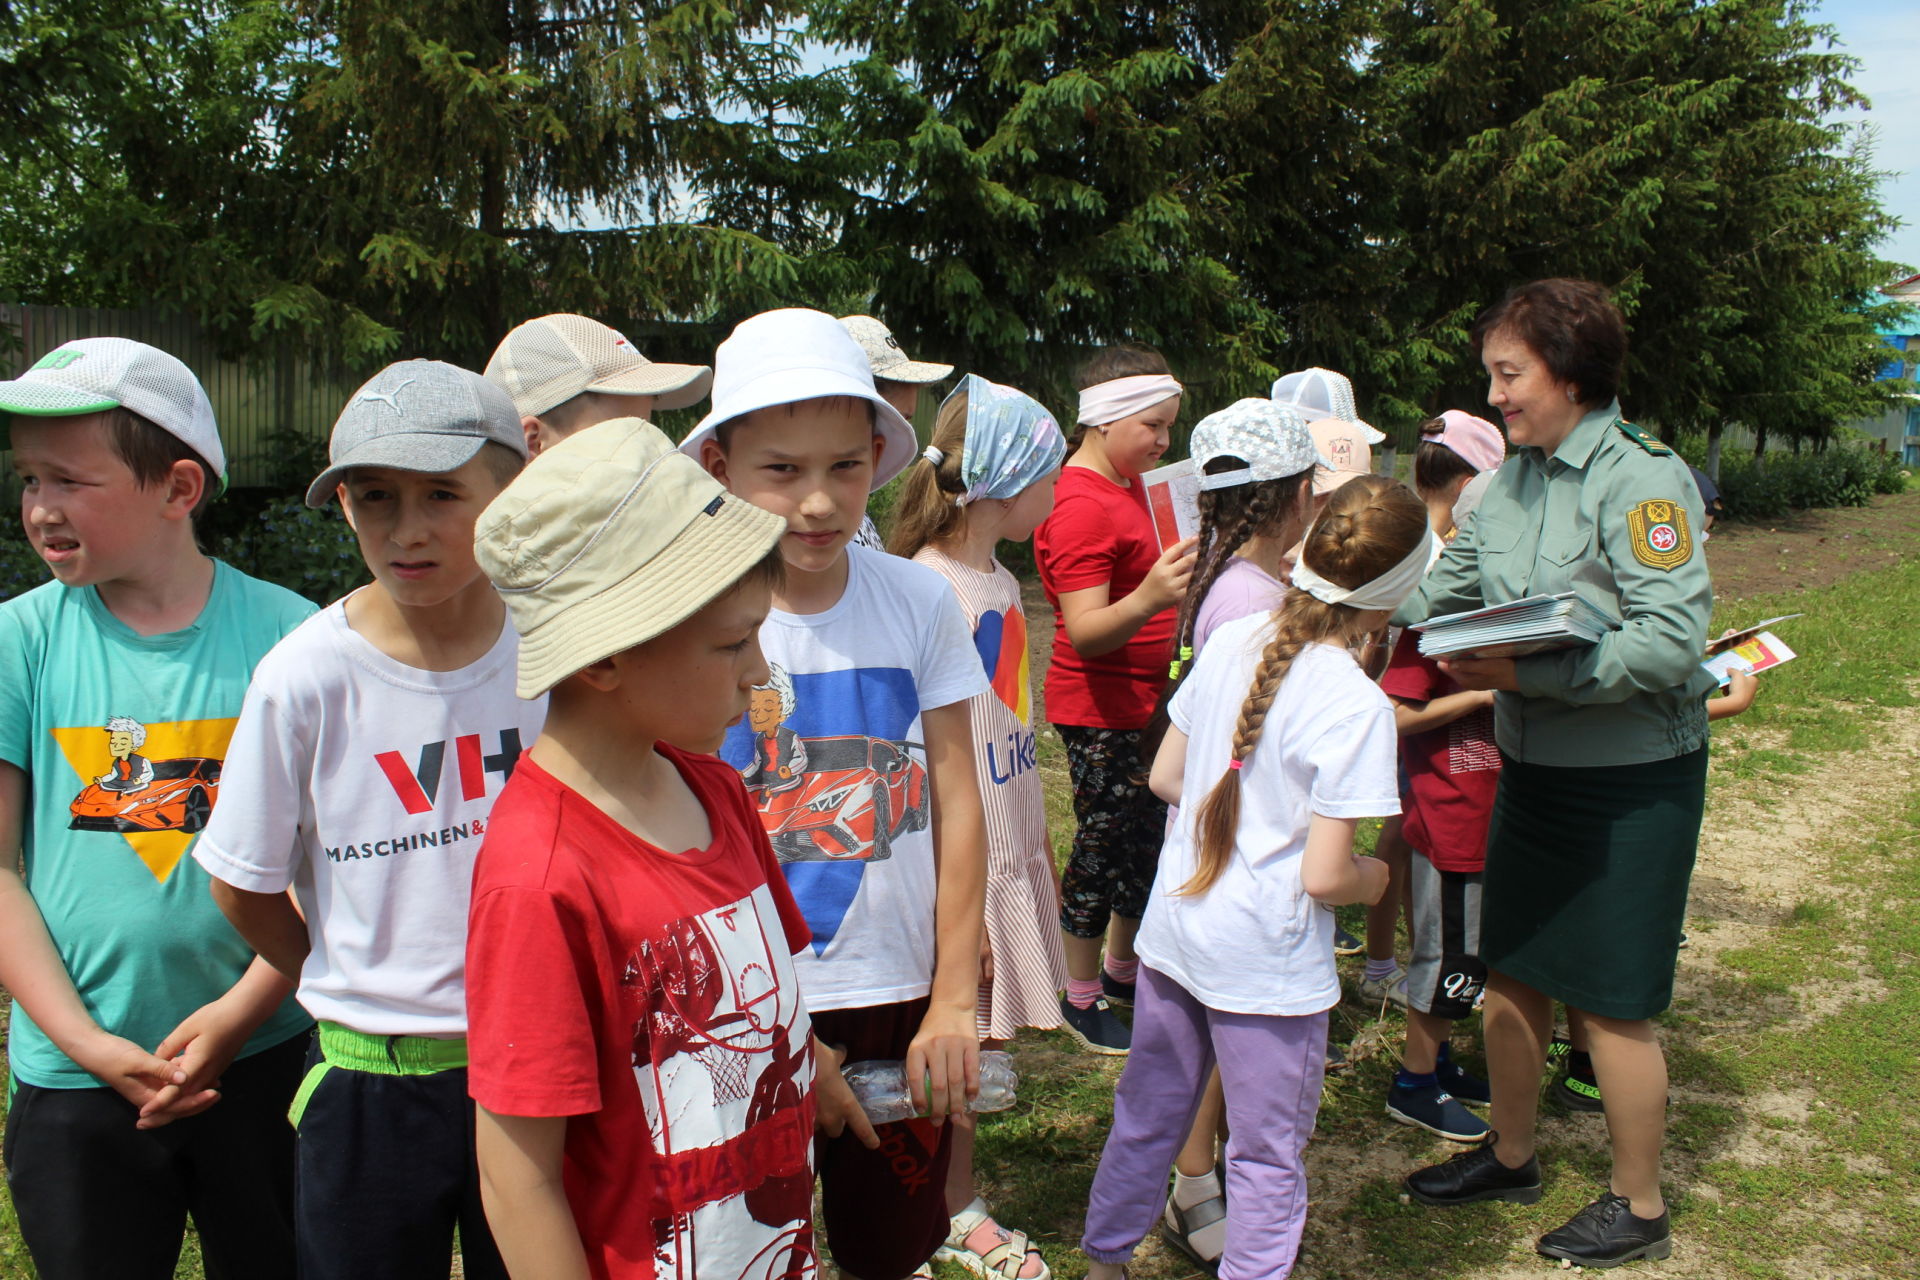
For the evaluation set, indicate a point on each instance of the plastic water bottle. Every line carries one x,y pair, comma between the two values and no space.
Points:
881,1086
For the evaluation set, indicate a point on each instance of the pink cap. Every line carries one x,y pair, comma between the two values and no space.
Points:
1475,439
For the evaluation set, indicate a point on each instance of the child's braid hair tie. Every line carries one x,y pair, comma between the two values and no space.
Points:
1179,663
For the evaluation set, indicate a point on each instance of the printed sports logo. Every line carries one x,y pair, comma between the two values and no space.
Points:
418,785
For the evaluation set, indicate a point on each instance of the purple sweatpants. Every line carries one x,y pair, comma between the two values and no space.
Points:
1271,1068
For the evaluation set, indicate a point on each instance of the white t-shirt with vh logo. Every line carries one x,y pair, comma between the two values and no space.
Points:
365,785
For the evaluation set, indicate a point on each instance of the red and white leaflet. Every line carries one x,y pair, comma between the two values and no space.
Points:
1173,500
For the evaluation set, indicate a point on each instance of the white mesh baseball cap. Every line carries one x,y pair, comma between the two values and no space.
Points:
795,354
551,360
886,357
1322,393
91,375
417,415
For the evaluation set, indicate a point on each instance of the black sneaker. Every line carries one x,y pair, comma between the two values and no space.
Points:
1606,1234
1097,1027
1475,1175
1115,990
1576,1093
1345,944
1557,1050
1471,1090
1336,1058
1432,1108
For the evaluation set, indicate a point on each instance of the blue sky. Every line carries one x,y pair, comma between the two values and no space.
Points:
1885,36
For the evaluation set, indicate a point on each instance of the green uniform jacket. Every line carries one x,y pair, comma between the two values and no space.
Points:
1614,515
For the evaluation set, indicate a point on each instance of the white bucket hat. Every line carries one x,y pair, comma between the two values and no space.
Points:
92,375
548,361
1322,393
886,357
795,354
608,539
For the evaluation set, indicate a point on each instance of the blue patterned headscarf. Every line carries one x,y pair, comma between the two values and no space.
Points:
1011,441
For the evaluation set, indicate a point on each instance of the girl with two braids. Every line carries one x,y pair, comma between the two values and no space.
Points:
1279,745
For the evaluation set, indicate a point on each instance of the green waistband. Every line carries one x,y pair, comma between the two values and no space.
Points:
390,1055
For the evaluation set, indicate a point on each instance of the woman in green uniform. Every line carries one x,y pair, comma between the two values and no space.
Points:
1605,748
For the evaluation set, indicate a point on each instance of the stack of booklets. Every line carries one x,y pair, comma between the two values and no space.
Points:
1537,624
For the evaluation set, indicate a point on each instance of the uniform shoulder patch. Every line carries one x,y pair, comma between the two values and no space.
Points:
1647,441
1658,529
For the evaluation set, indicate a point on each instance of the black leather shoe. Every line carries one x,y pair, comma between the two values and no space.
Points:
1476,1175
1606,1234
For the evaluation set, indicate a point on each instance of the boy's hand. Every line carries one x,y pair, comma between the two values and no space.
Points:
946,1055
835,1109
126,1068
201,1048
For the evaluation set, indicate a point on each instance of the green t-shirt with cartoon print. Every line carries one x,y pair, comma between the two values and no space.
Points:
122,737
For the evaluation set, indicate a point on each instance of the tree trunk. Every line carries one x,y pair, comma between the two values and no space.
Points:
1759,442
1713,450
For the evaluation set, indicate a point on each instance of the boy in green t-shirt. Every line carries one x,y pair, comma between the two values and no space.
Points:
153,1056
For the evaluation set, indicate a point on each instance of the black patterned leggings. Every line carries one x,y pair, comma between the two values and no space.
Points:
1117,834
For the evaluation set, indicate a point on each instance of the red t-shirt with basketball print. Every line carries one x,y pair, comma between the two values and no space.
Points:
650,997
1452,771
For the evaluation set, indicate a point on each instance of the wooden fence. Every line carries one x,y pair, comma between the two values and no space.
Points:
251,400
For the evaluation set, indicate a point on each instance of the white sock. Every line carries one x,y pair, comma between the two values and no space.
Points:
1188,1192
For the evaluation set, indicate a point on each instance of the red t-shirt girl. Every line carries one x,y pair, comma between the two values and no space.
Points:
1114,594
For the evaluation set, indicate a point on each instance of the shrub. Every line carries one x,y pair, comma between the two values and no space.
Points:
21,568
304,550
1841,475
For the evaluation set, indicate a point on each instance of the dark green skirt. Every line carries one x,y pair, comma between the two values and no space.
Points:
1586,881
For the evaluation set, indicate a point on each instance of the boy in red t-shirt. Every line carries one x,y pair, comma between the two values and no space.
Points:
639,1051
1453,769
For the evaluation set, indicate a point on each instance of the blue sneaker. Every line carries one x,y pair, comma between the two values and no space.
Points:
1471,1090
1116,991
1432,1108
1096,1027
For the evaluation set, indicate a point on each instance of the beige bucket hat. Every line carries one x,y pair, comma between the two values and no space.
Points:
608,539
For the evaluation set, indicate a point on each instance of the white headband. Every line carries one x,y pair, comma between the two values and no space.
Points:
1385,591
1123,397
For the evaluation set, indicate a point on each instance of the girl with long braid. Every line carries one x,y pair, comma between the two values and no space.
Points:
1256,464
1279,746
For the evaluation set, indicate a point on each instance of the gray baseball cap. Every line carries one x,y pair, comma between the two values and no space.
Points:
418,415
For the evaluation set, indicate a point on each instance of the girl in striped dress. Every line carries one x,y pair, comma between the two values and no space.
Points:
989,474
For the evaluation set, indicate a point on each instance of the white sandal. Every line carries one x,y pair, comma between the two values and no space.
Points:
1004,1261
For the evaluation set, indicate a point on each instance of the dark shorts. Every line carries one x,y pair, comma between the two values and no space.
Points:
386,1172
885,1211
98,1198
1118,829
1445,975
1586,880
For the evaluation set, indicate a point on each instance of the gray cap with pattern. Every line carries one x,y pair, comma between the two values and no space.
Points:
417,415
